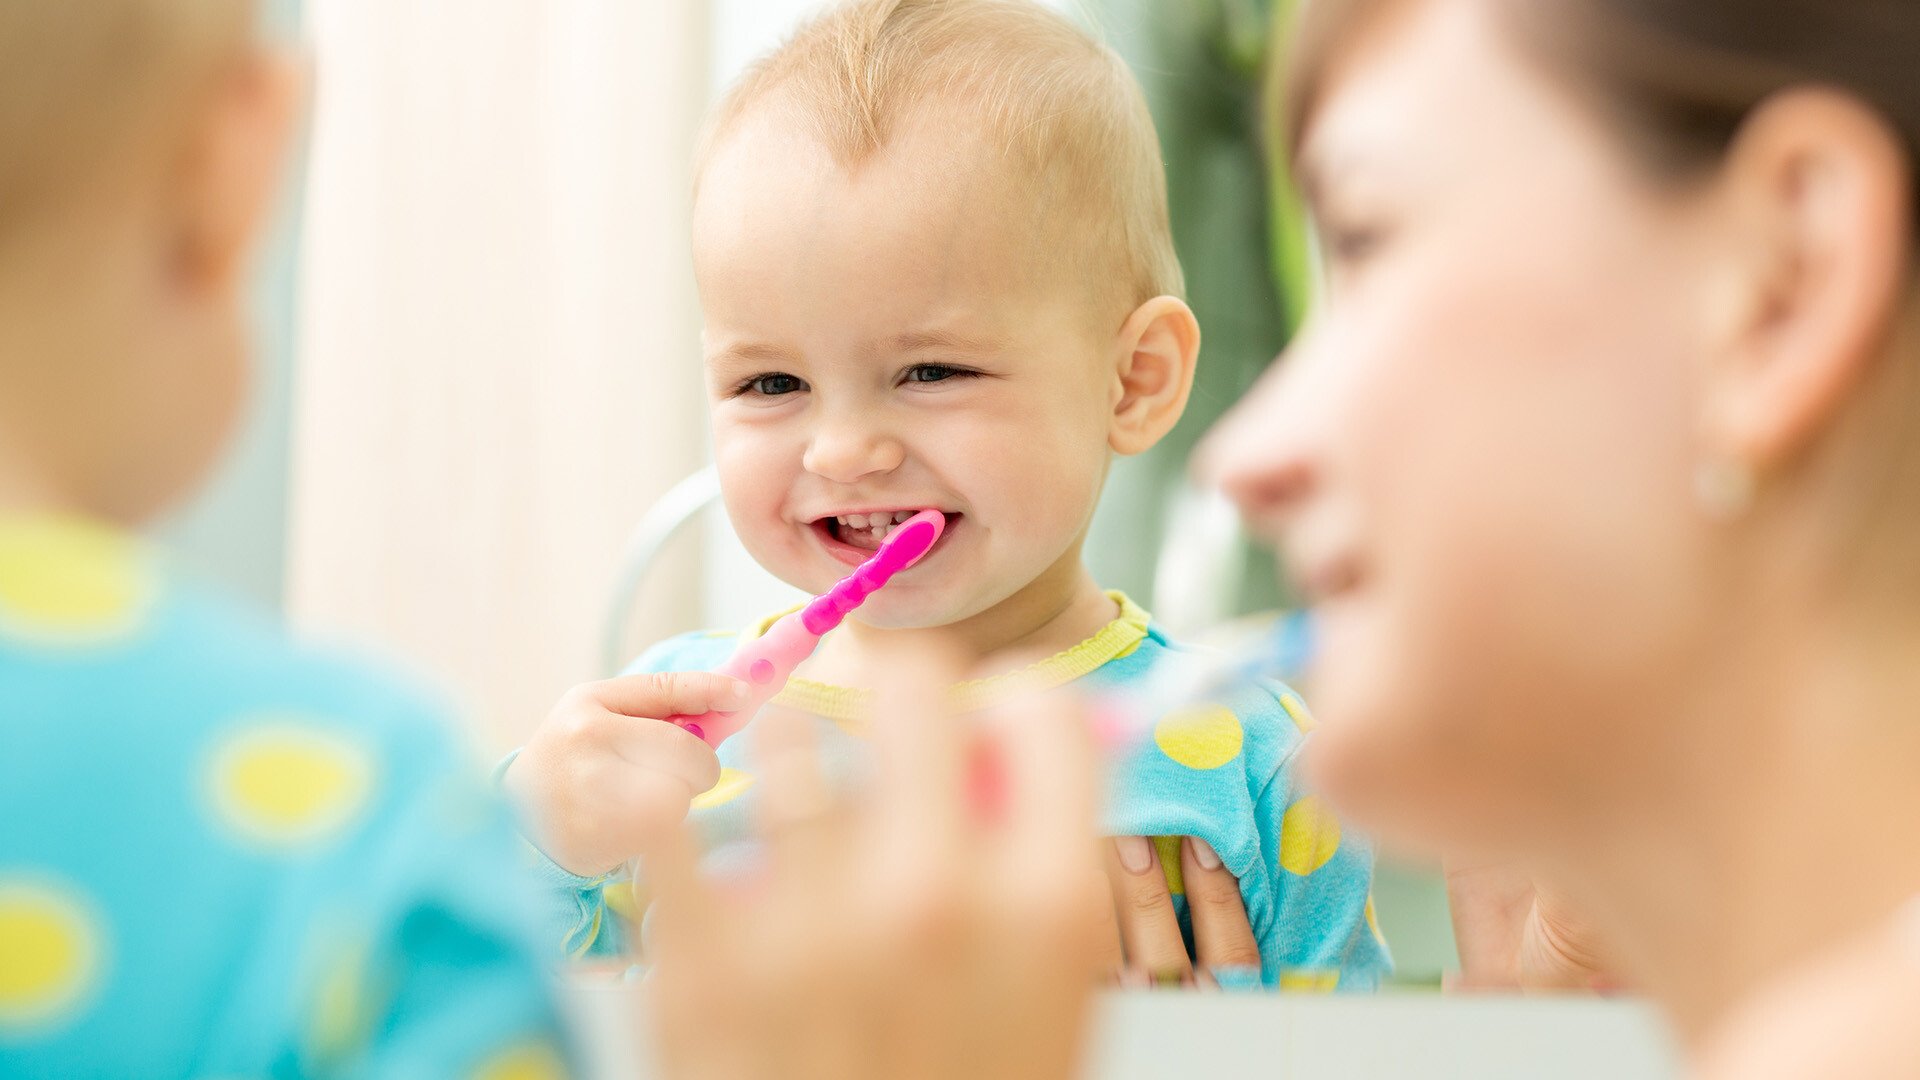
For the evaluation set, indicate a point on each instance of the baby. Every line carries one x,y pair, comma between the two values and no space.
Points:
933,254
222,854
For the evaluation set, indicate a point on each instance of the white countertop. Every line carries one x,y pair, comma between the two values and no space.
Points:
1238,1037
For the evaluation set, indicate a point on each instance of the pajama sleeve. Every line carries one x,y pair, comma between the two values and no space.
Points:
1322,934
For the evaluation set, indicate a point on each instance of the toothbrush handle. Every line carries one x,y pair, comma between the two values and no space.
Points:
764,664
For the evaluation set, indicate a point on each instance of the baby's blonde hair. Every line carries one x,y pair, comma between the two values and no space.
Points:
1061,105
83,82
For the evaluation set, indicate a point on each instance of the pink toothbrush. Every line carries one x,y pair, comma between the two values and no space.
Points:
767,662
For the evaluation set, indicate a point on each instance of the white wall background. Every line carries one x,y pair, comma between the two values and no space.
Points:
497,341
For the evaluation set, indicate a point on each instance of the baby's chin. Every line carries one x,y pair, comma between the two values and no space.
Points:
914,600
915,606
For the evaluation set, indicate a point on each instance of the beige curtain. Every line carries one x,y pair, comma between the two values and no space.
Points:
497,369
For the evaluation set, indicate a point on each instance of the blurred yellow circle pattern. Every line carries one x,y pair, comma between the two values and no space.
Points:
1203,737
50,952
529,1061
70,582
1310,981
732,784
283,782
1297,709
1309,836
342,1013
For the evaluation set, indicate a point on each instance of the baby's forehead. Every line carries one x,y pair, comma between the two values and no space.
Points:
943,193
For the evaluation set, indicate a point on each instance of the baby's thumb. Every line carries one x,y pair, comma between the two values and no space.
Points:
671,693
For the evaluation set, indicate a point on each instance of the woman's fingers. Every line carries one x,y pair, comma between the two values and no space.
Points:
1110,957
683,902
1149,927
921,757
1047,784
1222,935
797,805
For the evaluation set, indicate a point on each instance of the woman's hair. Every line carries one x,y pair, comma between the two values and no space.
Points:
1676,77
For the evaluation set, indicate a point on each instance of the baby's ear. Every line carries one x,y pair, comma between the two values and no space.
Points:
1158,347
232,174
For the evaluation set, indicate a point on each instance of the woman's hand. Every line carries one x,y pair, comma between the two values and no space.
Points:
601,775
914,935
1143,942
1515,934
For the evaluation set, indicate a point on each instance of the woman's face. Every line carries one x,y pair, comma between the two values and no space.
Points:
1478,457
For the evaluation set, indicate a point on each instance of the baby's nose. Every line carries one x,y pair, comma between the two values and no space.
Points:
850,451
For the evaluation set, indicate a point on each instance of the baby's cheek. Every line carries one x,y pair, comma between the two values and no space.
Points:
755,489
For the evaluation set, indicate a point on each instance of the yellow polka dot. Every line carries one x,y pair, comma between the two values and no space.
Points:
281,782
50,953
1373,922
1309,981
1309,836
1297,709
69,582
342,1010
731,785
531,1061
1204,737
1169,849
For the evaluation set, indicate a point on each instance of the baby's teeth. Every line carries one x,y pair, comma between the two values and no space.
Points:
880,531
874,521
900,516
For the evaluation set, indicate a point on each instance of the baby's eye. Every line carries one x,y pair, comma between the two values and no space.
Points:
933,373
771,384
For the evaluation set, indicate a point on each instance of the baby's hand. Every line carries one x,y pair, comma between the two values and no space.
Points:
602,775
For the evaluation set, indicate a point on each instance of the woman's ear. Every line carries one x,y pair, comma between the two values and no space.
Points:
232,173
1158,348
1820,188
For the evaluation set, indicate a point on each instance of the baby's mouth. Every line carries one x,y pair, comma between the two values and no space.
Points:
853,538
866,531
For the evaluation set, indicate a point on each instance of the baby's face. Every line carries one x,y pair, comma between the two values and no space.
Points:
892,340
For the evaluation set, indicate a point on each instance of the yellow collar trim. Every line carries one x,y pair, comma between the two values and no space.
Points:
68,580
849,706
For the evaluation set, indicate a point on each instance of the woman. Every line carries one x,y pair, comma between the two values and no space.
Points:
1596,463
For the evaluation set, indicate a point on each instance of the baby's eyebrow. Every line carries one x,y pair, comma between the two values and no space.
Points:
749,352
943,340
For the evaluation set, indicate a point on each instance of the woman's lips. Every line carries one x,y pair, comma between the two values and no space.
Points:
1330,579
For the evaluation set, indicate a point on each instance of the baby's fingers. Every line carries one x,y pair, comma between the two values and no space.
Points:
658,746
668,693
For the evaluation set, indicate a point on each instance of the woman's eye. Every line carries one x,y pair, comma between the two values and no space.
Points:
1349,246
933,373
772,384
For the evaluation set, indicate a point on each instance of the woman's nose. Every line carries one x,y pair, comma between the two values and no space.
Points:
1260,454
848,450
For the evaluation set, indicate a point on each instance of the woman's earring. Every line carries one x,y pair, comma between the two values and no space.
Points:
1724,487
